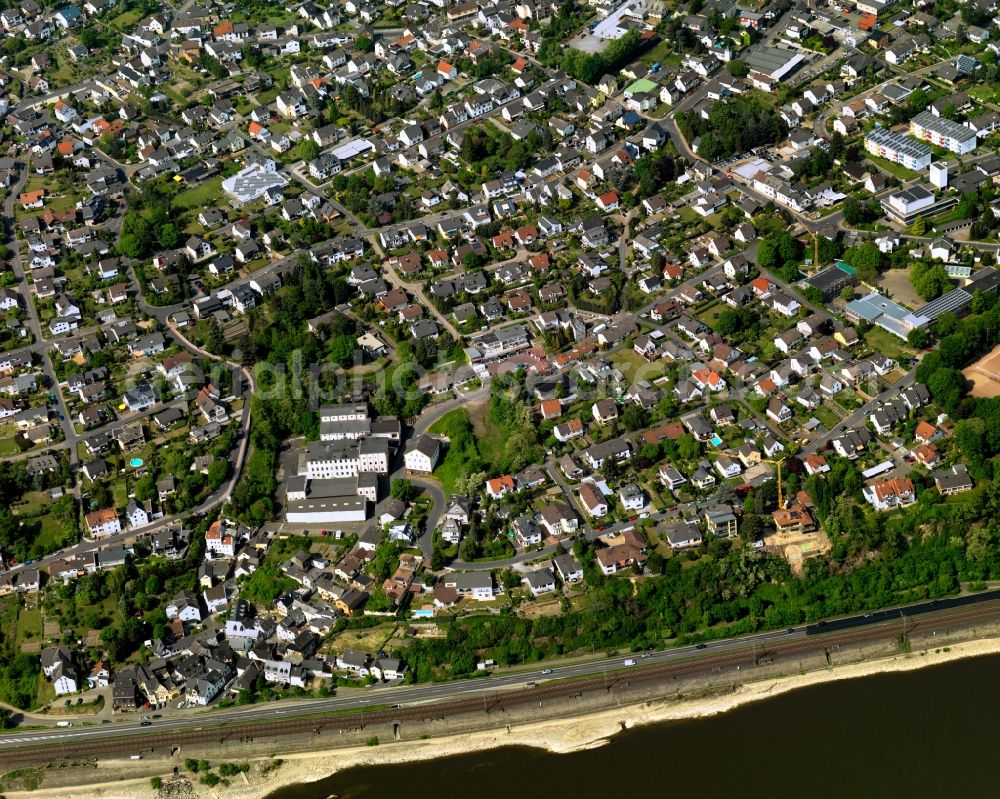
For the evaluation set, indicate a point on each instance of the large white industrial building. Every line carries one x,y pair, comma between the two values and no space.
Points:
327,501
347,458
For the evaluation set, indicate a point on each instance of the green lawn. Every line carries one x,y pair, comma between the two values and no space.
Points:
29,625
635,367
489,438
64,75
448,471
34,501
8,444
889,345
453,465
982,93
119,493
489,441
710,313
447,422
827,416
126,20
658,53
47,534
898,170
207,195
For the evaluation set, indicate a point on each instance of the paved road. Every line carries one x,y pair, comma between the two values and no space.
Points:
219,496
434,412
34,323
858,417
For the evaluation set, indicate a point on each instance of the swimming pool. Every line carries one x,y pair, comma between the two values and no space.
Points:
135,463
716,441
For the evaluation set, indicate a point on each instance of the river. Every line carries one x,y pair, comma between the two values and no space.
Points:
923,733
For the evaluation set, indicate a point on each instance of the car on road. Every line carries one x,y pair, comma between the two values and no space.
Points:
546,671
629,662
700,646
790,630
145,723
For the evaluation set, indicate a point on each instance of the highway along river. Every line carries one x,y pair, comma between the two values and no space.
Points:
925,733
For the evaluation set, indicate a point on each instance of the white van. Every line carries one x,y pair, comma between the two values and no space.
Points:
630,662
64,724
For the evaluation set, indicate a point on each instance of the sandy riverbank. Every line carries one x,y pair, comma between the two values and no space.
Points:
557,735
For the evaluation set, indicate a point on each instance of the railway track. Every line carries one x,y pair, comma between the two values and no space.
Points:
491,701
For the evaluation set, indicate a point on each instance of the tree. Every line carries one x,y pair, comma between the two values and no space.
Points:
929,280
767,253
847,293
918,338
364,44
854,212
733,126
947,386
733,321
216,341
634,417
402,490
470,483
866,258
308,150
468,551
737,68
89,38
688,448
945,325
753,527
919,226
169,236
130,245
342,350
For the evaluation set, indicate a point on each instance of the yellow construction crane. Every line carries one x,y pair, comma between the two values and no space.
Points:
781,497
815,249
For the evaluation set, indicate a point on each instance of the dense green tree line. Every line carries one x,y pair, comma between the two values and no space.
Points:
733,590
732,127
589,67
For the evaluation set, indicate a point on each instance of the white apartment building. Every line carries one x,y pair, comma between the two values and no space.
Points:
345,458
944,133
898,148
